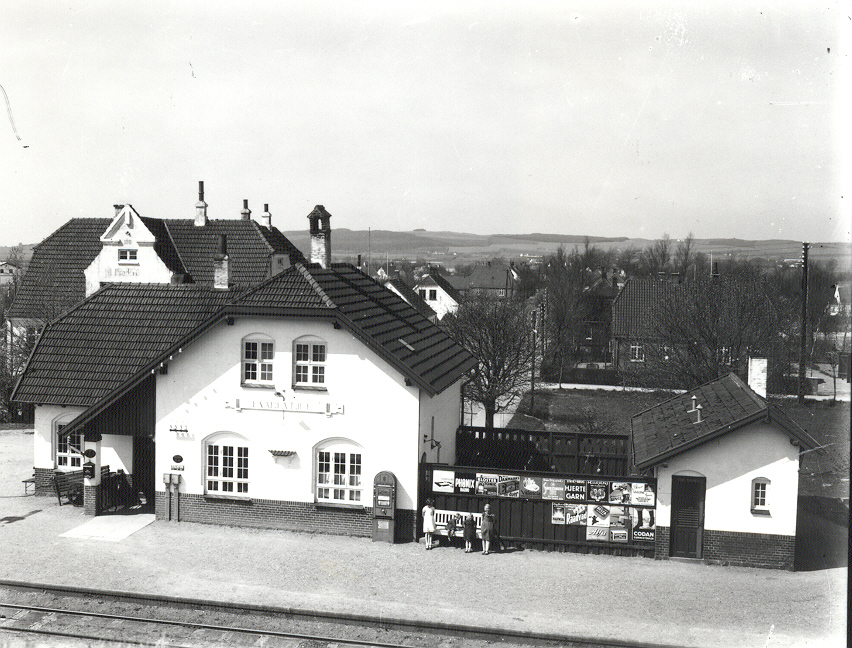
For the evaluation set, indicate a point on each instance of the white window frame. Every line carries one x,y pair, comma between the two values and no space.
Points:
225,466
759,495
339,473
65,457
130,256
257,361
637,352
310,362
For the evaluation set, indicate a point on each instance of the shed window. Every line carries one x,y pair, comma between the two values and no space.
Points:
760,495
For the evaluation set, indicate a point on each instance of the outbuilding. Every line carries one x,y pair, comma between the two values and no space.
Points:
727,469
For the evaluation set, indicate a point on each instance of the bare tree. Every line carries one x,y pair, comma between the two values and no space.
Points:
498,334
684,256
657,257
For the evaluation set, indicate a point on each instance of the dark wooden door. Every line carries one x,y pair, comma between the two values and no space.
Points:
143,467
687,529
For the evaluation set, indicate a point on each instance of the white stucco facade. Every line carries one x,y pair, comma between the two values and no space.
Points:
730,465
365,405
442,302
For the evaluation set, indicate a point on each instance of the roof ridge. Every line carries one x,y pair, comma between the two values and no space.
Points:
176,248
313,283
262,235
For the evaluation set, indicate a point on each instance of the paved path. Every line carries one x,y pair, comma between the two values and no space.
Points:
637,599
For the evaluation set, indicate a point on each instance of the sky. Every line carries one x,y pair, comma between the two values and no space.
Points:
634,119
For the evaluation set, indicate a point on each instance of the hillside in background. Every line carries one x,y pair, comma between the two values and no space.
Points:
451,248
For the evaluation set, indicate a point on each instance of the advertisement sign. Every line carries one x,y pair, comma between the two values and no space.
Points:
576,514
619,493
443,481
509,486
575,490
597,491
598,515
553,489
558,514
531,487
642,494
465,482
486,484
597,534
642,524
619,520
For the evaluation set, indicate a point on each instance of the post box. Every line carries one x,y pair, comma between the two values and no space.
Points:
89,470
384,507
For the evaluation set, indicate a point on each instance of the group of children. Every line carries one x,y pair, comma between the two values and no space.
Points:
468,524
488,531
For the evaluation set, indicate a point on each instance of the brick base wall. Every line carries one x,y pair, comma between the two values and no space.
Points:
91,501
275,514
44,481
739,548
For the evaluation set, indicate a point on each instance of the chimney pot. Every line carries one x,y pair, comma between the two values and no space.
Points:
320,236
221,275
118,209
246,212
200,207
266,219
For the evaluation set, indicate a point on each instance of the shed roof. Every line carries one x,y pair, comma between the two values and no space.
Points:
727,404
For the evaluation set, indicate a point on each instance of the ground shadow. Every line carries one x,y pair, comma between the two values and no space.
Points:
10,519
822,534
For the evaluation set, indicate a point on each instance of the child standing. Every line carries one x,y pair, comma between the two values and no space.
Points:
469,532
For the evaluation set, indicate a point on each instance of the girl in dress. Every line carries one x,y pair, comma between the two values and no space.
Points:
469,532
429,522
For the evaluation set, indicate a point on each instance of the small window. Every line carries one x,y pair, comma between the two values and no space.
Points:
422,293
309,363
126,255
433,295
227,470
339,474
637,353
69,448
258,361
760,495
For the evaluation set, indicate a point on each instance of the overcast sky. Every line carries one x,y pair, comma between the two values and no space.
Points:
601,118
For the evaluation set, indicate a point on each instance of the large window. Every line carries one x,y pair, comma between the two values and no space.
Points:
258,360
338,474
69,448
227,459
309,363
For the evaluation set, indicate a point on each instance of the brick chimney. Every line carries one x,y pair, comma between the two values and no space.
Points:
200,207
266,217
245,214
221,276
320,236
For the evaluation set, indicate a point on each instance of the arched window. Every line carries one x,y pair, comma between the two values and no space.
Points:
226,457
338,472
69,447
309,358
258,356
760,495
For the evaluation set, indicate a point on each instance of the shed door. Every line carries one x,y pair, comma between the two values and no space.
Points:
687,516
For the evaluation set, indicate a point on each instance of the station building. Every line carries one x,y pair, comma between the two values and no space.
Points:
272,405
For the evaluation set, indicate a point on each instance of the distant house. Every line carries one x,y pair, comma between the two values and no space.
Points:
415,300
496,280
8,272
633,326
438,293
727,469
86,254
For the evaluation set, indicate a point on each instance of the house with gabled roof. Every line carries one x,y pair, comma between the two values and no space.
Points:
273,405
87,253
438,293
633,324
415,300
727,469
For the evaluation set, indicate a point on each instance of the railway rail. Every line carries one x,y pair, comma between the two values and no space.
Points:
85,615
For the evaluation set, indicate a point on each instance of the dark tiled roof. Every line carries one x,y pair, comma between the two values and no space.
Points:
489,277
102,346
634,307
107,339
54,279
413,299
727,403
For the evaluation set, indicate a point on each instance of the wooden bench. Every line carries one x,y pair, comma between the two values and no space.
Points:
70,485
443,517
29,481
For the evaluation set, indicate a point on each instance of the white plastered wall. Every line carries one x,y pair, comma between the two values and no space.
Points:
116,450
441,412
730,463
380,413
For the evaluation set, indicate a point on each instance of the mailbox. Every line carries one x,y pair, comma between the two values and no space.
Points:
384,507
89,470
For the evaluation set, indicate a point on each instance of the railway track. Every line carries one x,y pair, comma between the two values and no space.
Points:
67,616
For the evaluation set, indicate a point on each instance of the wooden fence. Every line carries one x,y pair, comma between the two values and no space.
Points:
586,513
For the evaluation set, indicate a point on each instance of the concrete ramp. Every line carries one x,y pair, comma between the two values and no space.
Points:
110,528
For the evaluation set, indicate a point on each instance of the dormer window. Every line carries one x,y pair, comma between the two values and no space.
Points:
127,255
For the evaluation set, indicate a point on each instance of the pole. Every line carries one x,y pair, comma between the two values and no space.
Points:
803,349
532,367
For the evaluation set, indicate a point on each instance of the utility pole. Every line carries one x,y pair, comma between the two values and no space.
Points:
803,349
532,366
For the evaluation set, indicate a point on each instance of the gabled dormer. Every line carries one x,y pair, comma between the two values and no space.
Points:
127,254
